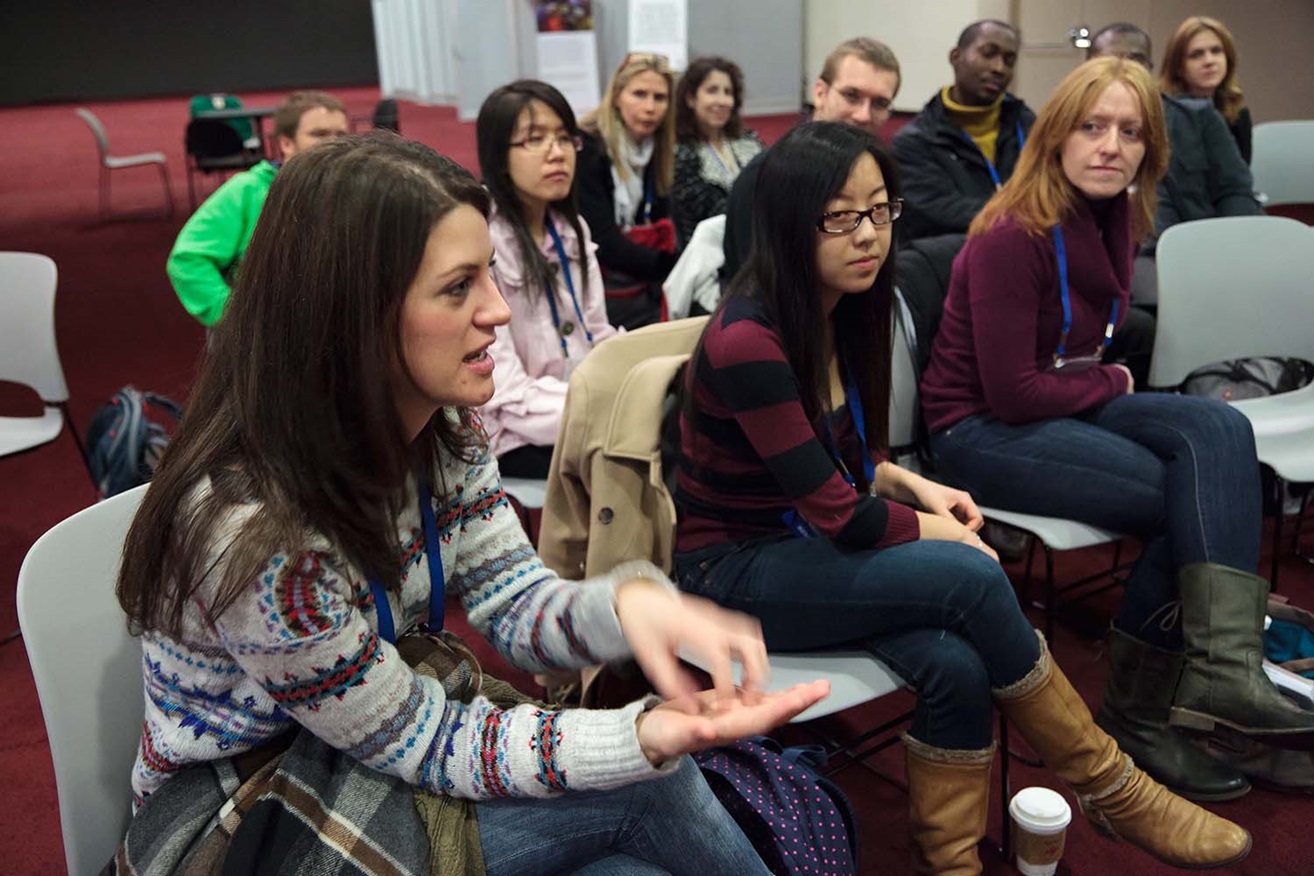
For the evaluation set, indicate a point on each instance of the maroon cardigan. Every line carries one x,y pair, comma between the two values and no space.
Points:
1003,317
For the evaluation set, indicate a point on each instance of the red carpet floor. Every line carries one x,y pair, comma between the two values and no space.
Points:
118,323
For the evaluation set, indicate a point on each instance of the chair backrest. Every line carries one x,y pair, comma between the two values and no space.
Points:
219,101
88,673
903,379
1232,288
28,353
385,115
97,131
211,138
1283,161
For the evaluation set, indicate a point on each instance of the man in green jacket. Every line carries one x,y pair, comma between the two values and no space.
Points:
211,245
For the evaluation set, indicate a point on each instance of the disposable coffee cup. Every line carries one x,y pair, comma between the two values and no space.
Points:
1040,823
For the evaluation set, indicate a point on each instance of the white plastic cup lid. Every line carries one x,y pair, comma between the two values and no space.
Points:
1040,810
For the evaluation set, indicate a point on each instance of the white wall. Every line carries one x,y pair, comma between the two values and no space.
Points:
921,35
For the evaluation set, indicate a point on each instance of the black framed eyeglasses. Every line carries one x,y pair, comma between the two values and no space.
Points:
540,144
847,221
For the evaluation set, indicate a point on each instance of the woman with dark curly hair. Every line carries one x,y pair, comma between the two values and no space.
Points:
712,144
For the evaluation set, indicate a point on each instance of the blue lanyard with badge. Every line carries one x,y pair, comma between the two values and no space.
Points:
990,165
800,527
1061,360
564,329
437,580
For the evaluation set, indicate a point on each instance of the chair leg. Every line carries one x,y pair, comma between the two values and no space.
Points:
104,192
1278,492
1005,791
77,439
168,190
1051,599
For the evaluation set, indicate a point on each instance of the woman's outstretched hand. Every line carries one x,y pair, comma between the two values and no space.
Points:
696,721
659,624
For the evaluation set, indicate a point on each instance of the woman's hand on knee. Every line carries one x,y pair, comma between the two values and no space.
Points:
659,623
935,527
701,720
943,501
910,488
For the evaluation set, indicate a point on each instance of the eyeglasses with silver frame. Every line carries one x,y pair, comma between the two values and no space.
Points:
847,221
539,144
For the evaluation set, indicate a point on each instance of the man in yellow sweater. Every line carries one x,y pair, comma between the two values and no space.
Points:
964,143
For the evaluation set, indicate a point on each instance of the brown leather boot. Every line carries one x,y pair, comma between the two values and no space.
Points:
1119,799
948,801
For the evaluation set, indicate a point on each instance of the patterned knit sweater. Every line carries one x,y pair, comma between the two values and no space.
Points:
301,647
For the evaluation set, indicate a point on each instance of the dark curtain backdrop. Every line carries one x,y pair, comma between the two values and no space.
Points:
62,50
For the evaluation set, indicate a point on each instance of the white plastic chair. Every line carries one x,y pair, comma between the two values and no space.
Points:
1283,162
28,352
110,162
531,492
88,673
1054,534
1234,288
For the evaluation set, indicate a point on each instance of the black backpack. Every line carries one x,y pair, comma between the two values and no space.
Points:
1238,379
124,443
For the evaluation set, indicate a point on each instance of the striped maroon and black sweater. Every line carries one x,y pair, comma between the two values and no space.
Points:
750,454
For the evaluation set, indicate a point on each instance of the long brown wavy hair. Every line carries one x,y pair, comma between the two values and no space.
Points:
1228,97
1039,195
293,413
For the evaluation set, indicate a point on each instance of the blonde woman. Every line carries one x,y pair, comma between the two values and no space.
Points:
1201,62
624,174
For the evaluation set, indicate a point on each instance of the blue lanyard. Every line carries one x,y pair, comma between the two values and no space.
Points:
1061,254
990,165
570,285
860,423
437,582
800,527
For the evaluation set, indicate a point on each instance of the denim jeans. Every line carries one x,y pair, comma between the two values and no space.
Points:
1177,471
674,824
940,614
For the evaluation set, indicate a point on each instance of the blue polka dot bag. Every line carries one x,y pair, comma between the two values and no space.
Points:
799,821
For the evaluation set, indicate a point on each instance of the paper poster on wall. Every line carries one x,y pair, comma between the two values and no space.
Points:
568,51
661,26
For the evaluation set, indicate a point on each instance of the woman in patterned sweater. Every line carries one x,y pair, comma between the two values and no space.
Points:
789,510
712,143
330,477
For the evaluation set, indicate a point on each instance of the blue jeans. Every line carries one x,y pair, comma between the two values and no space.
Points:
674,824
1178,472
940,614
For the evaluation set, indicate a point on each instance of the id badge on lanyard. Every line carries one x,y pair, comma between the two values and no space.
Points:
1062,361
795,521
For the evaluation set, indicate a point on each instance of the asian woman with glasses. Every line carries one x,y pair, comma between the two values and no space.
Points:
789,510
546,268
1023,411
